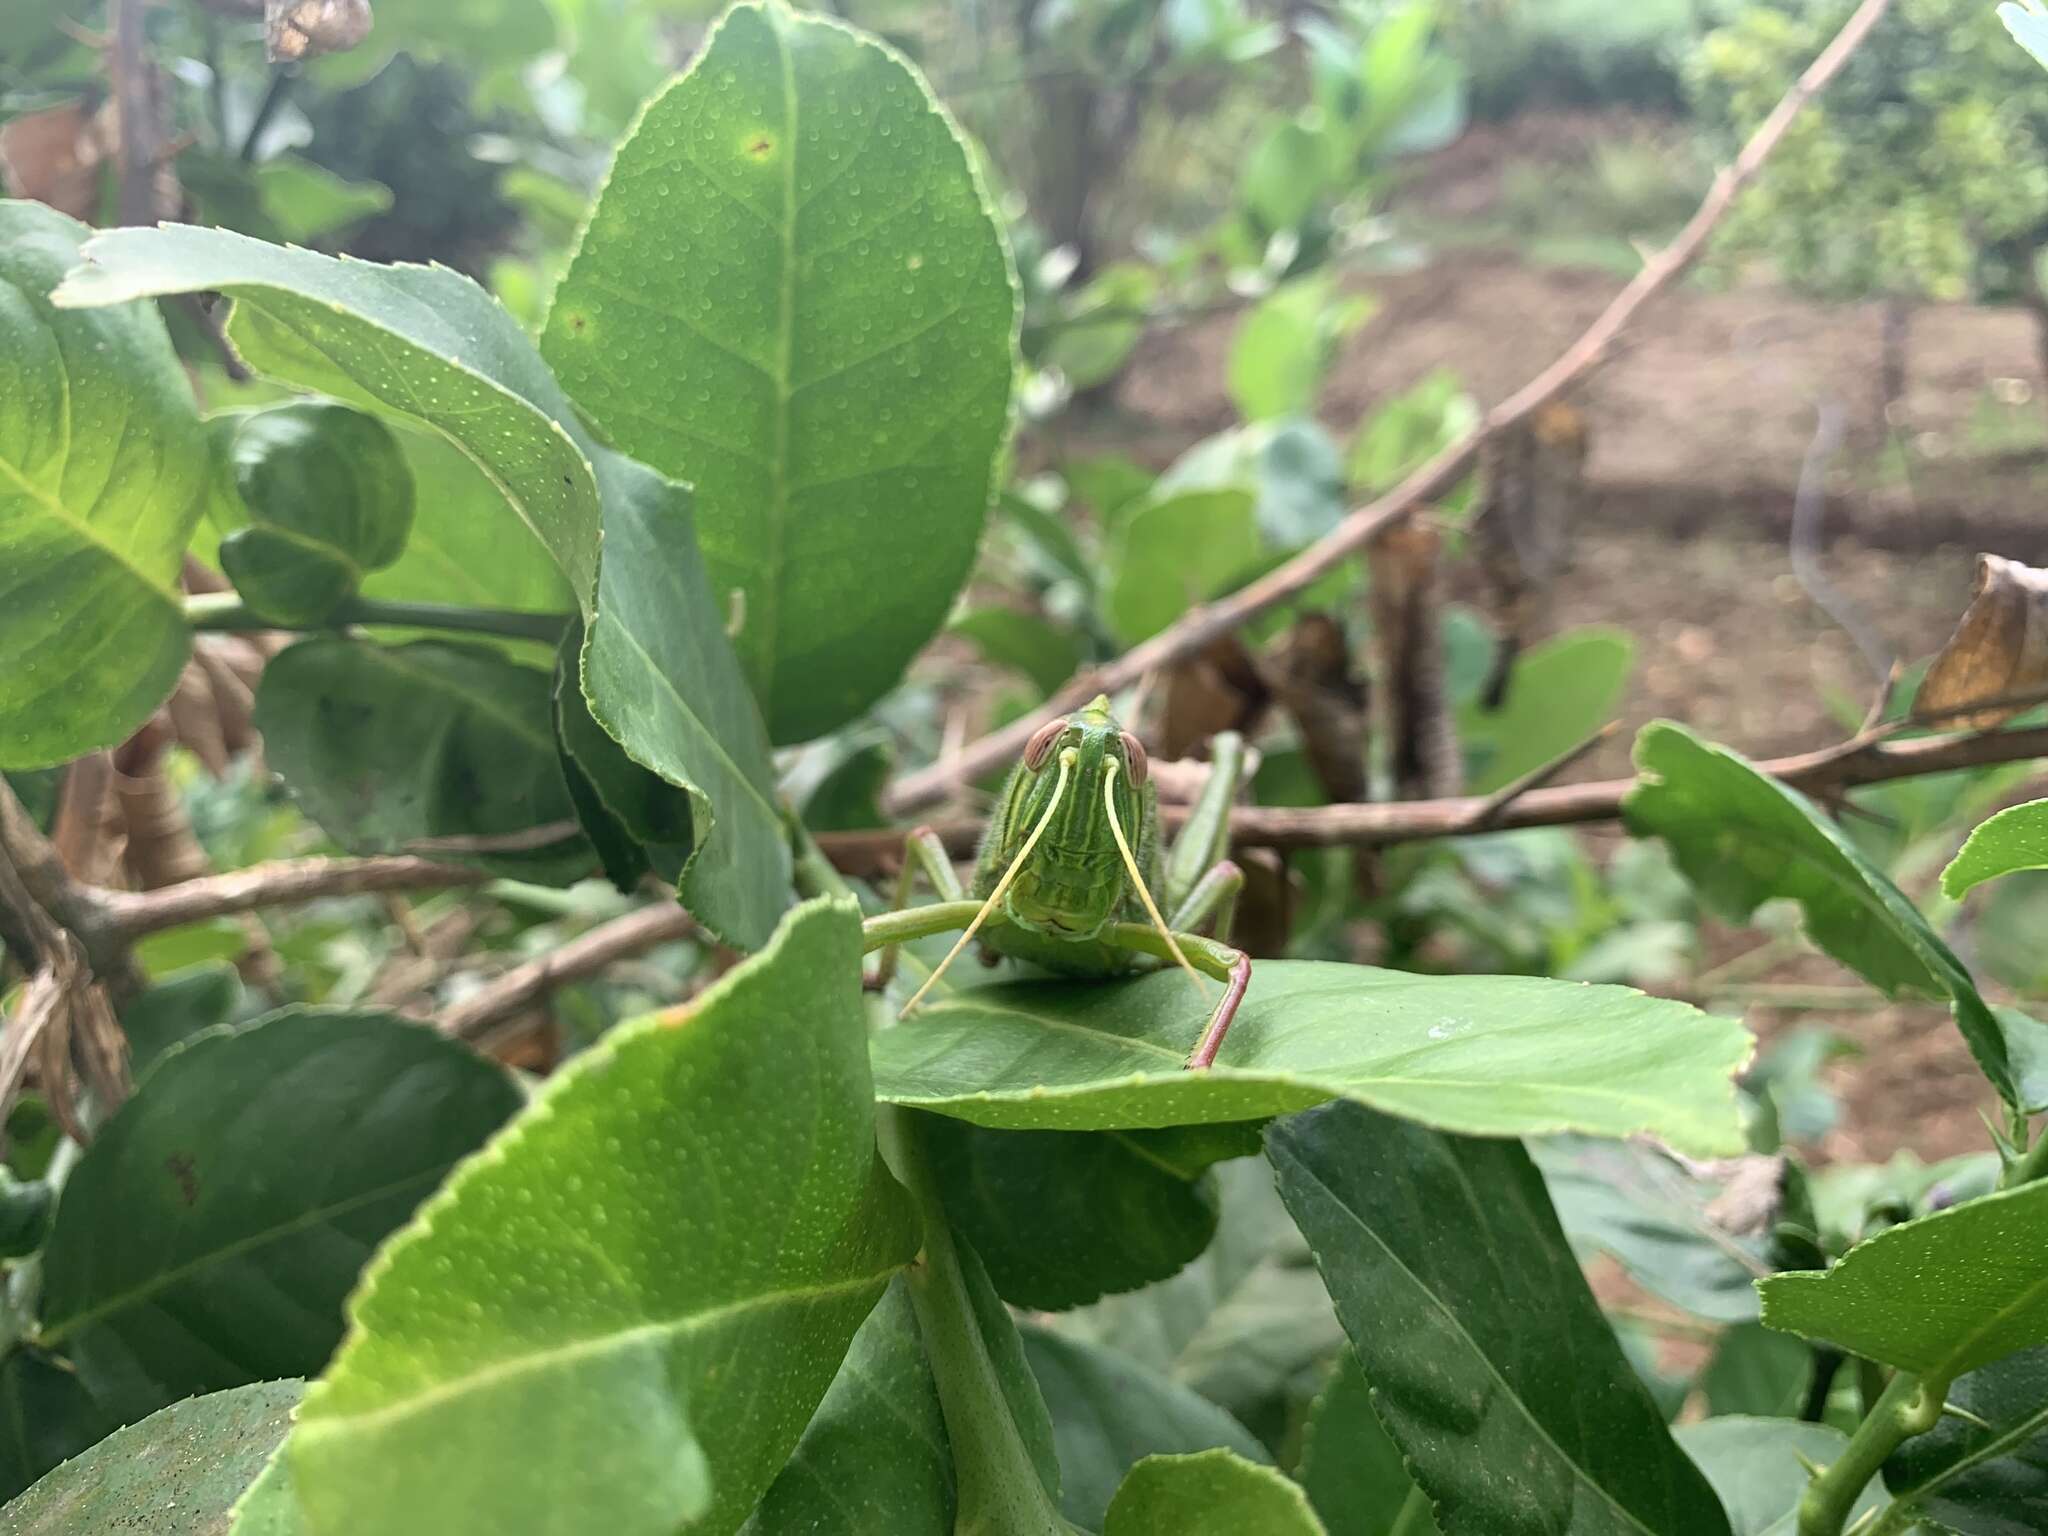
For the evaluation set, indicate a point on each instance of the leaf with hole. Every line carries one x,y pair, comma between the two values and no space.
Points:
791,294
631,1303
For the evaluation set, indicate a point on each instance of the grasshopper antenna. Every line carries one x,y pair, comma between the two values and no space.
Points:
1059,790
1131,864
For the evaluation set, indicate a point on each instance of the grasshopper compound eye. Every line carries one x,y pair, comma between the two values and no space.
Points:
1040,746
1134,753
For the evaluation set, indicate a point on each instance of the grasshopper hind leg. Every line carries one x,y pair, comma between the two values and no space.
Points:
1213,958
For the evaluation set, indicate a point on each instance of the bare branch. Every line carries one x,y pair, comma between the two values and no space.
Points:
1828,771
585,955
1202,624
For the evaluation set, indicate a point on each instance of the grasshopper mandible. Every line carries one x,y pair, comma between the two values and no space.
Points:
1071,876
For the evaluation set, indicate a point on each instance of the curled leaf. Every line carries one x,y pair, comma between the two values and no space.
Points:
1998,652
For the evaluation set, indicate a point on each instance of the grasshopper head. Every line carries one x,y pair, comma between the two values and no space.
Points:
1073,883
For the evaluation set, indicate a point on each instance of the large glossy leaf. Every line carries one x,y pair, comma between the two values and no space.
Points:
430,346
1902,1298
1439,1251
1492,1055
874,1457
1109,1413
1352,1470
1988,1478
621,1316
1756,1468
1564,690
1063,1217
103,475
209,1233
176,1473
1637,1205
1211,1493
791,294
1743,838
1175,550
46,1418
388,747
174,1010
423,343
2015,839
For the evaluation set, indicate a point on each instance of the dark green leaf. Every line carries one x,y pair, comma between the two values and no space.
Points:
636,819
791,294
1176,550
104,471
1040,649
1743,838
1212,1493
1902,1299
1491,1055
173,1011
209,1233
24,1215
875,1456
1979,1481
388,747
180,1470
1638,1205
1757,1372
1350,1469
46,1418
630,1305
329,496
849,797
1109,1412
1439,1251
2016,838
1062,1217
1755,1468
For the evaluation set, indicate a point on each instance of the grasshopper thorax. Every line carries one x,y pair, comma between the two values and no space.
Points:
1072,883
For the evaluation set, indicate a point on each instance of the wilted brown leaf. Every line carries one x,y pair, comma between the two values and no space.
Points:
1407,622
54,156
1216,689
1999,649
299,29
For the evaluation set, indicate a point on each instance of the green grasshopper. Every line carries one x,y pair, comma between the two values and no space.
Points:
1070,864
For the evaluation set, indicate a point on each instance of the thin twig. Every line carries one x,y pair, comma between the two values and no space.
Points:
1830,770
1202,624
1495,805
582,956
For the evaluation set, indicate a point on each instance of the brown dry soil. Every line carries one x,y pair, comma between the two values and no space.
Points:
1699,430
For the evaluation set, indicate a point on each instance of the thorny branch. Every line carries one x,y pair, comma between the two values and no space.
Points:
1203,624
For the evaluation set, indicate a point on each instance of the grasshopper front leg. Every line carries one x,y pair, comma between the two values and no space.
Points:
1232,967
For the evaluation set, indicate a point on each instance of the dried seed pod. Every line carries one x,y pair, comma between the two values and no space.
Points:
1533,477
1407,622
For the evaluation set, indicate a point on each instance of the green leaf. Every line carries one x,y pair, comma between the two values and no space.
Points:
1901,1298
630,1304
185,1466
1755,1468
173,1011
1564,690
1176,550
1352,1471
875,1456
387,747
209,1233
1743,838
1489,1055
1439,1251
1040,649
1984,1481
1103,324
1285,177
286,199
46,1418
662,680
104,470
1212,1493
422,343
1637,1205
1290,466
1283,347
2015,839
1063,1217
269,1506
1109,1413
637,820
791,294
329,496
1405,432
1109,485
1757,1372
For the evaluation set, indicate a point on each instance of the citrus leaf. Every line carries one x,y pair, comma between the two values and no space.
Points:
46,1418
1755,1467
1490,1055
622,1314
874,1457
1109,1413
635,819
1351,1470
791,294
1178,549
185,1465
1211,1493
1979,1480
104,473
209,1233
1439,1251
1743,838
1564,690
387,747
2015,839
1901,1299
